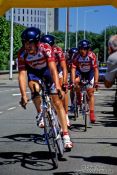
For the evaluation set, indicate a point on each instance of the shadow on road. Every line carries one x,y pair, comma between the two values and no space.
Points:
34,161
98,159
110,143
78,127
37,138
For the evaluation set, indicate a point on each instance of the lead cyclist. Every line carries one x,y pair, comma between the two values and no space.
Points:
35,60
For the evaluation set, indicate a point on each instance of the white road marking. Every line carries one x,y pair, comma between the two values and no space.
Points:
11,108
8,90
1,112
19,94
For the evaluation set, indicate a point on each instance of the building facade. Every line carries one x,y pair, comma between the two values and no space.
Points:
35,17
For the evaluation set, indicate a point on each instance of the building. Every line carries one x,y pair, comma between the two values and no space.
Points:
52,19
36,17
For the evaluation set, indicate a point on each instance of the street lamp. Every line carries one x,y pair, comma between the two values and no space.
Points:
85,14
105,45
11,47
66,27
46,21
76,27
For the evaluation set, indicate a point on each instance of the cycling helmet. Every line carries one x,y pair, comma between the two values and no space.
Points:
48,39
84,44
73,50
31,34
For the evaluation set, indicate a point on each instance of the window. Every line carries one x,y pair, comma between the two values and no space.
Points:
18,11
27,11
23,11
23,18
31,12
18,18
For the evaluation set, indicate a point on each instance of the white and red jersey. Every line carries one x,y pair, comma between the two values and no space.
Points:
58,54
85,64
39,60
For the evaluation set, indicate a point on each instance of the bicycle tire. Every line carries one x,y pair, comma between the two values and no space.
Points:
76,111
58,137
115,105
50,139
85,111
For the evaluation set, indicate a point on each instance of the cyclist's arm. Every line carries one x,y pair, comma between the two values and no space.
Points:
96,75
22,82
95,66
54,73
73,74
64,69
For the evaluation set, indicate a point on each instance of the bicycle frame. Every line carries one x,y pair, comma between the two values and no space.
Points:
51,122
84,104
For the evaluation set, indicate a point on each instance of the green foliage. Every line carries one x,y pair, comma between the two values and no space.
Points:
5,42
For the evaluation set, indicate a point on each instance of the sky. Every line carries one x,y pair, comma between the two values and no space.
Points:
97,18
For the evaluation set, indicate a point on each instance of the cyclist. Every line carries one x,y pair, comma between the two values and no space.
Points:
35,60
69,58
111,73
84,66
61,67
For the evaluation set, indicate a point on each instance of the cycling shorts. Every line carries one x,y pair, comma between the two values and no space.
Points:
86,76
43,75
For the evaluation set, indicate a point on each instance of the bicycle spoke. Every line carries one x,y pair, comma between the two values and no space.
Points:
50,139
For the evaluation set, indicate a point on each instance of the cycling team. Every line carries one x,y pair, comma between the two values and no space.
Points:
39,58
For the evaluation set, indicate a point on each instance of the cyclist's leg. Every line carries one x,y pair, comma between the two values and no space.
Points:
78,93
65,100
90,91
35,96
57,103
34,87
66,108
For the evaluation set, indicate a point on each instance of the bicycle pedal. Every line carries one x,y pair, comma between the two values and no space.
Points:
58,137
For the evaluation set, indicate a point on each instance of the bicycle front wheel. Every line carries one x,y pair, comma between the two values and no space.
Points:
57,133
76,111
85,110
50,139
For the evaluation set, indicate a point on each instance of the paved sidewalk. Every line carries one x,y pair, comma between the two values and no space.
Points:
4,79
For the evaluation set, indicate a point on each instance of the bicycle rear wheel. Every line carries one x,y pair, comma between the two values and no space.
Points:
85,112
50,139
115,105
58,137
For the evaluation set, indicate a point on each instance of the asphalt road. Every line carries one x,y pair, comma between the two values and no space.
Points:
94,152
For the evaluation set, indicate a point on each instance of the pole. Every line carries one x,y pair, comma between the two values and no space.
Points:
11,47
76,27
85,24
105,46
46,21
66,30
69,41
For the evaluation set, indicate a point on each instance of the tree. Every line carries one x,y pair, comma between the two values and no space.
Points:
5,42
